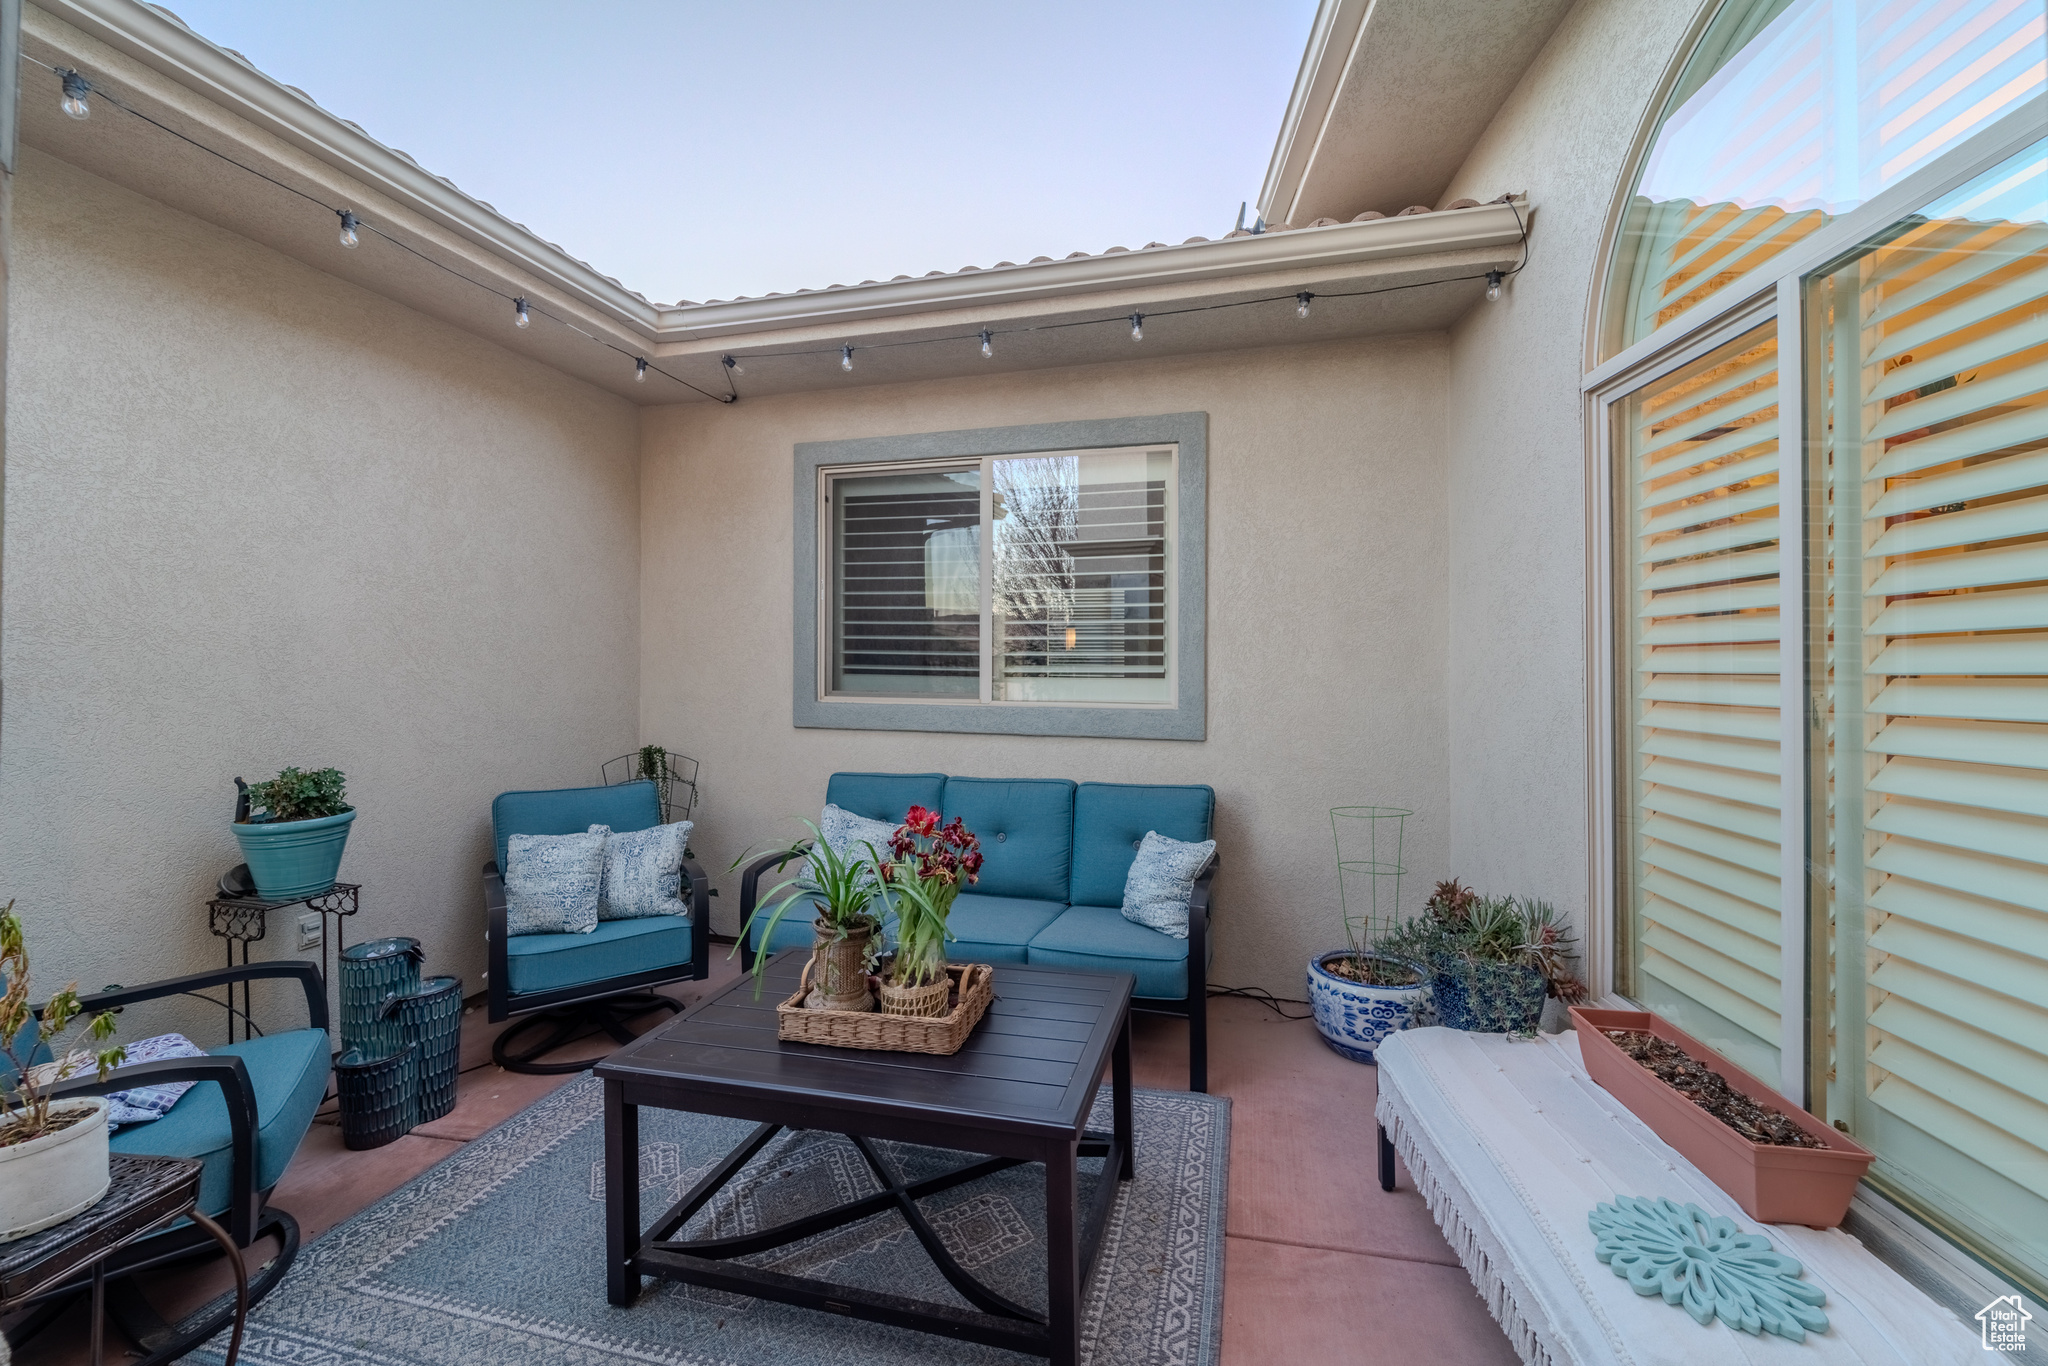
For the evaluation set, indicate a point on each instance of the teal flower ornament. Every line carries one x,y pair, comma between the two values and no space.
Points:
1705,1263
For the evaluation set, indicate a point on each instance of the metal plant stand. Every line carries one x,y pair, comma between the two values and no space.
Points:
245,919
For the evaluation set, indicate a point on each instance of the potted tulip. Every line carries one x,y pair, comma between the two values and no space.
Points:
929,865
842,888
53,1153
292,830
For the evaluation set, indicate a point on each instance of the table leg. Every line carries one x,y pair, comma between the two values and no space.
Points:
234,1256
1063,1254
99,1307
1120,1101
621,1194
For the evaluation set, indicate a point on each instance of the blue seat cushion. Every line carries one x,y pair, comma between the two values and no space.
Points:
616,948
995,929
573,810
885,796
289,1075
1026,828
1111,818
1099,939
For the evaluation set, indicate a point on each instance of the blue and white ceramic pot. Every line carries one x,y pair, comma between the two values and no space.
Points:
1354,1017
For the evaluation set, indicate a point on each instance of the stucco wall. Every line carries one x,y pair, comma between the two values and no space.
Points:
1325,615
1517,489
258,517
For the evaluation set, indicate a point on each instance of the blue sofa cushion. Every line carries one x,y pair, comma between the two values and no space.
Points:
573,810
1110,820
1026,827
616,948
995,929
289,1074
885,796
1099,939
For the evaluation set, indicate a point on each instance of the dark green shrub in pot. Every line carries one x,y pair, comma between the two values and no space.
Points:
293,830
1492,961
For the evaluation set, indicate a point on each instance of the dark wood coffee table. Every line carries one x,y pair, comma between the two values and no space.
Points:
1019,1090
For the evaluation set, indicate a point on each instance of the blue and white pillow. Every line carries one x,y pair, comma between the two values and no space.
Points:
849,834
552,884
1162,882
145,1103
642,872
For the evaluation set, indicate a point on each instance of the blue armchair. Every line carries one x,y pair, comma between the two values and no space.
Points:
570,983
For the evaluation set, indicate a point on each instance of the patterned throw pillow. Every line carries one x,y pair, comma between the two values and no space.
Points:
145,1103
851,834
1162,881
642,872
551,887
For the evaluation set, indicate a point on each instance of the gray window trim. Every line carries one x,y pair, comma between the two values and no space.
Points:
1185,720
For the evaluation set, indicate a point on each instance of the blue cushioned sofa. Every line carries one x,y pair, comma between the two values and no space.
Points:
570,982
1056,854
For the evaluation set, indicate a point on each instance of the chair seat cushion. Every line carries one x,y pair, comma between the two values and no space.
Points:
995,929
289,1075
616,948
1099,939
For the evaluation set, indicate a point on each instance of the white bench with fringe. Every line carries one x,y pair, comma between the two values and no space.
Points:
1512,1145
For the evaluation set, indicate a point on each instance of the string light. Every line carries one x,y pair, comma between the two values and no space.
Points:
734,366
1493,279
519,317
1137,327
1301,303
348,228
846,357
988,349
76,89
640,370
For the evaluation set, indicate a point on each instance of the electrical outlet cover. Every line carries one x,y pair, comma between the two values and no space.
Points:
309,930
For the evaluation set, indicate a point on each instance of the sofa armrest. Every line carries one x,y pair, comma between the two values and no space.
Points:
498,985
750,881
307,974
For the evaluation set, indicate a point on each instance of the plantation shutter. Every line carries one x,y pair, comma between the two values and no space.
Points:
1702,626
1940,523
906,615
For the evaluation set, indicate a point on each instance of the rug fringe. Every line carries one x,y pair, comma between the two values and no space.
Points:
1464,1240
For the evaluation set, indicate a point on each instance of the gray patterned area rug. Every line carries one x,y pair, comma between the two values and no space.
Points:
496,1254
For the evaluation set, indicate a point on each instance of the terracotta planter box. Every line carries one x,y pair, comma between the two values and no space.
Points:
1773,1183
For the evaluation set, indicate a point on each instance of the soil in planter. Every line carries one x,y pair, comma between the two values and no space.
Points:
1710,1091
10,1134
1371,972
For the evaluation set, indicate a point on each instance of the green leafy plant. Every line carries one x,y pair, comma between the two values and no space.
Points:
929,866
842,888
296,795
25,1106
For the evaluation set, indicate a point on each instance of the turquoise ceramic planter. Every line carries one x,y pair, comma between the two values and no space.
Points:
291,859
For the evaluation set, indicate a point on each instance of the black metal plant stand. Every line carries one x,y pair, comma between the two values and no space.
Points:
245,919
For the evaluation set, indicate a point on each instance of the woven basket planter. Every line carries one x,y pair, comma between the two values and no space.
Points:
895,1033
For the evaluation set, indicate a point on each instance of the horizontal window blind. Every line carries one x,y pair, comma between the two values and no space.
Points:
906,583
1701,751
1935,702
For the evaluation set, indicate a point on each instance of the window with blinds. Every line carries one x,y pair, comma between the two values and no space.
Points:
1792,111
1068,597
1698,552
1930,672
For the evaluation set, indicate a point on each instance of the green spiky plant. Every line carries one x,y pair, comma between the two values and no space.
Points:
1487,946
25,1108
843,888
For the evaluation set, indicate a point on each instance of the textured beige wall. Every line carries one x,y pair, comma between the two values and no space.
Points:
257,517
1517,459
1325,615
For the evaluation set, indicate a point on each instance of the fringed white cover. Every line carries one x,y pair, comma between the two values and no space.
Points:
1511,1144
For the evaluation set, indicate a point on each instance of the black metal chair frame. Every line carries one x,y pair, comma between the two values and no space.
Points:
1194,1007
250,1215
605,1006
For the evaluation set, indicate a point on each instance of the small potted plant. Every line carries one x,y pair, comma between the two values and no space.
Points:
842,888
1492,961
928,867
53,1153
292,830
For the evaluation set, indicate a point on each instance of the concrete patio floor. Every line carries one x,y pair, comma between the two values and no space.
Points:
1320,1265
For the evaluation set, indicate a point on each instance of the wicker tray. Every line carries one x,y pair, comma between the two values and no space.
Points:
897,1033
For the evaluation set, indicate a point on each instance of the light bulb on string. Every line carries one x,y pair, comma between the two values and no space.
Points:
733,366
1301,303
1493,279
1137,327
846,357
76,90
348,227
988,350
640,370
519,314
